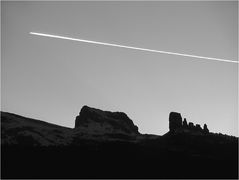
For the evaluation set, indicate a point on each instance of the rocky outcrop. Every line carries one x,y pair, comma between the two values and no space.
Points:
175,121
185,124
98,121
176,125
205,129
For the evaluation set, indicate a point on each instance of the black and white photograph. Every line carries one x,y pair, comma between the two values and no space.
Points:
119,89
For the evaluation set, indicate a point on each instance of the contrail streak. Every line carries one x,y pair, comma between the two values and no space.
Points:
131,47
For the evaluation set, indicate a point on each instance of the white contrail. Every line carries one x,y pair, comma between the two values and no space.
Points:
131,47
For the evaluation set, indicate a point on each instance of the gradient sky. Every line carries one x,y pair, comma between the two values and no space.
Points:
51,79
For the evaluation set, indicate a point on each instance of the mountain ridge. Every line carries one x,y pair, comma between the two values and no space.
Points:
101,121
47,150
34,120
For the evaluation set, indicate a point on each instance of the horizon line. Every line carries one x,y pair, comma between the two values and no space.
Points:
131,47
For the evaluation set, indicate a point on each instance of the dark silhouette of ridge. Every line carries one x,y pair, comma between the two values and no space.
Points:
5,116
107,144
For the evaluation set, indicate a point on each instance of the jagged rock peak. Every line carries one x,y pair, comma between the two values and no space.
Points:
205,129
185,123
105,121
176,125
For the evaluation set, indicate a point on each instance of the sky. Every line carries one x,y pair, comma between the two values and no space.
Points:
51,79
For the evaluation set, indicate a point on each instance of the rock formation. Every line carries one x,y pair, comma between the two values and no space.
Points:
34,149
205,129
190,125
185,124
175,121
95,120
198,127
176,125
